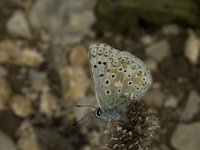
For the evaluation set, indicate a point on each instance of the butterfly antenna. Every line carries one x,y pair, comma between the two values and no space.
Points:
85,106
81,119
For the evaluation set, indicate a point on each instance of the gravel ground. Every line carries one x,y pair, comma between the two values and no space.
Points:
42,77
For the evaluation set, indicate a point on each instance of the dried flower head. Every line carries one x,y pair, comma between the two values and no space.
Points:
135,130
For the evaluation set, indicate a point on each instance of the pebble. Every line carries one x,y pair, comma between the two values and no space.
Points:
5,93
154,98
18,26
186,137
191,107
48,103
171,29
29,57
74,82
21,106
27,139
151,64
192,48
171,102
68,21
146,40
6,143
38,80
158,50
76,52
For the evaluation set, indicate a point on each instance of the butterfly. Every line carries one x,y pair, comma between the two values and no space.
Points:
119,78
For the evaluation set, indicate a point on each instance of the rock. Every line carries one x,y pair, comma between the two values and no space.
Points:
159,50
21,106
27,138
154,98
38,80
192,48
191,107
30,58
17,25
67,20
146,40
5,92
76,52
6,143
151,64
3,72
186,137
171,29
171,102
74,82
48,103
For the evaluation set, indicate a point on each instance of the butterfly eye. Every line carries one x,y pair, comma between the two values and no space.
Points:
100,51
93,51
134,66
107,92
113,75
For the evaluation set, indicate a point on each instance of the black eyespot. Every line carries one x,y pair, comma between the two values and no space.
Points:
119,90
108,92
107,81
104,63
95,66
129,75
101,75
99,62
113,76
130,82
124,70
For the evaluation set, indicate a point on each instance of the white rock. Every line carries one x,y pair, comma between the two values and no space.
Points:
192,48
159,50
17,25
6,143
191,107
151,64
187,137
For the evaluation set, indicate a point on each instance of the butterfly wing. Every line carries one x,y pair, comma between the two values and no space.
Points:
127,78
100,56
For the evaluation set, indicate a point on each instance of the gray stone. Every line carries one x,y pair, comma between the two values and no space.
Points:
17,25
6,143
171,29
171,102
187,137
192,106
159,50
66,20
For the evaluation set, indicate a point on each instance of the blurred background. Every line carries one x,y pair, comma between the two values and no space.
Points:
44,69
